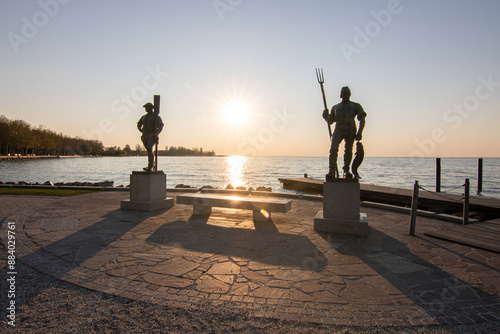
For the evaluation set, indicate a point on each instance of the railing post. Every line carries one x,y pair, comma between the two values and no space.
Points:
414,205
466,202
479,175
438,175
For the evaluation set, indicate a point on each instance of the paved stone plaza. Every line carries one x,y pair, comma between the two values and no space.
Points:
281,269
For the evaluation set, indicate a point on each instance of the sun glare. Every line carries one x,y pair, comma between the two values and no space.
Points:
236,112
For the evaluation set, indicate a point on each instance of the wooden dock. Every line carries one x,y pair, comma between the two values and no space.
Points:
402,197
484,235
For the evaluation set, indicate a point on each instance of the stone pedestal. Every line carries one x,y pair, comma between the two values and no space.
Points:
148,192
341,209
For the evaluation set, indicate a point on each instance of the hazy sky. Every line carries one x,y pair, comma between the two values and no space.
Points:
426,72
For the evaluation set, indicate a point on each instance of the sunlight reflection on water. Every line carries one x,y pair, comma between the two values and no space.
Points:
235,170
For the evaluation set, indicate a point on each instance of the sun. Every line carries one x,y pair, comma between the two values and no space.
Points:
236,112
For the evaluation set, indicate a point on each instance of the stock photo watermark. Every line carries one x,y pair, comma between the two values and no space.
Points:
251,145
224,6
122,105
30,27
455,116
454,289
371,30
11,273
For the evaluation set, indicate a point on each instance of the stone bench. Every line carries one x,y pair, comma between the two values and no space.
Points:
261,207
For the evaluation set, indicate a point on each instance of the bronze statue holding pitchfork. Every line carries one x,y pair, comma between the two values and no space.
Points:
343,115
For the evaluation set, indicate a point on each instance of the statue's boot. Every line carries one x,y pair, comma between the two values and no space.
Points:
332,173
347,174
345,170
150,165
149,168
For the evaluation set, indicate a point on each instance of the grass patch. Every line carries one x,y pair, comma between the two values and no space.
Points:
44,192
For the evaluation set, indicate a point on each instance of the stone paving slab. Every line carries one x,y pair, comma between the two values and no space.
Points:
281,269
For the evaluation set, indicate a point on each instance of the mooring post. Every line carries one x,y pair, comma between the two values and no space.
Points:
479,175
466,202
414,205
438,175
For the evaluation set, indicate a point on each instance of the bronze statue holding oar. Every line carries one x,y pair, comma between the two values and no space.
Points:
151,125
343,115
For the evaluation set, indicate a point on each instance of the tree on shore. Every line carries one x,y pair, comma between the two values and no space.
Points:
169,151
19,137
182,151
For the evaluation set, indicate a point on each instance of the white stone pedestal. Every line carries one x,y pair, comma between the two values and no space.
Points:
341,206
148,192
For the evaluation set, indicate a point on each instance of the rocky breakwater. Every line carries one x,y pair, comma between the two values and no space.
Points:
58,184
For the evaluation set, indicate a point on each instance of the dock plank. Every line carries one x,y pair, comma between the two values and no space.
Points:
485,235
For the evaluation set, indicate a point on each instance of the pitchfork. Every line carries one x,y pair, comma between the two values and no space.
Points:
321,80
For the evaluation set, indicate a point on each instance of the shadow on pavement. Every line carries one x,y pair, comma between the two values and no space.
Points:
264,244
62,256
442,295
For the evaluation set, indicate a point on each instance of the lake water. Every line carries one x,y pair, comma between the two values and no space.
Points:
256,171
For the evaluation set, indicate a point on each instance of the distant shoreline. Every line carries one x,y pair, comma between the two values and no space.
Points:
35,157
20,157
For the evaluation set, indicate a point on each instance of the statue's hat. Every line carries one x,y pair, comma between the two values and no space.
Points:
149,104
